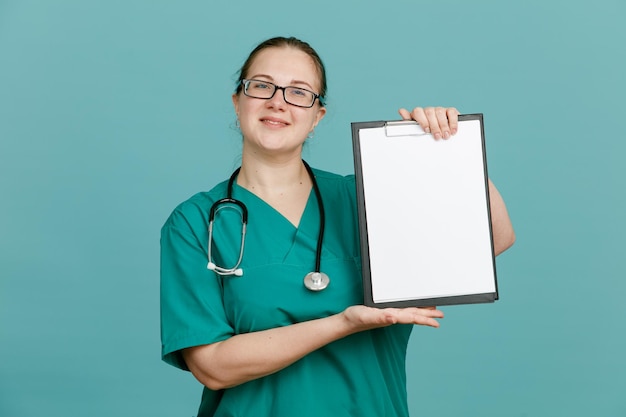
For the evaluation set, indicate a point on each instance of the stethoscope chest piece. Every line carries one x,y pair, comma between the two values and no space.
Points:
316,281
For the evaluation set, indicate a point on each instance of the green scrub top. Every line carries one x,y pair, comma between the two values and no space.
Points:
360,375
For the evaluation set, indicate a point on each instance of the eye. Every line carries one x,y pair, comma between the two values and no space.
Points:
299,93
259,85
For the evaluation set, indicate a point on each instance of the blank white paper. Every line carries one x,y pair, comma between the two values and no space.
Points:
427,214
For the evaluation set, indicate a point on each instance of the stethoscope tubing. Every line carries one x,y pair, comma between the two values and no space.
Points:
320,204
235,270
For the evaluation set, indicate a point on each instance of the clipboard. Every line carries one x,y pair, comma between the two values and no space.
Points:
424,215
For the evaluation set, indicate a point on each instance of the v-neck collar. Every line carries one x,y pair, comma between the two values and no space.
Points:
248,197
281,240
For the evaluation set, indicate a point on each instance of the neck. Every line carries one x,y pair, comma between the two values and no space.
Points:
285,186
263,176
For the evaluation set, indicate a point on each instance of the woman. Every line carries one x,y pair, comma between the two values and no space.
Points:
263,344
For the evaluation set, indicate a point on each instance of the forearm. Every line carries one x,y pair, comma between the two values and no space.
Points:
503,234
249,356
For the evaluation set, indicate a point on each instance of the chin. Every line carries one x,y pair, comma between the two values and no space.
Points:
277,143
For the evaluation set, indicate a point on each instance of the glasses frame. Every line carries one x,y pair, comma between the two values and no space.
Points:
246,82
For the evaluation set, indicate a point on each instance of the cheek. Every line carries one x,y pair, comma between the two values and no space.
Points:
313,120
246,112
243,107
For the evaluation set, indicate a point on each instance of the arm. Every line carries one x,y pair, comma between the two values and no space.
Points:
192,305
503,234
248,356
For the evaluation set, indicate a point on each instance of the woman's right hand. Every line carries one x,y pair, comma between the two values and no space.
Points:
364,318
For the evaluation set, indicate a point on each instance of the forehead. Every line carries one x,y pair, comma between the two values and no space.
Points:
285,65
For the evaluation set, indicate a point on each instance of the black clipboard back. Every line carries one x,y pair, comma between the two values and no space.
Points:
424,216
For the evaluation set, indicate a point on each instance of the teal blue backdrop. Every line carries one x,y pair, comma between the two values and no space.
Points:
112,112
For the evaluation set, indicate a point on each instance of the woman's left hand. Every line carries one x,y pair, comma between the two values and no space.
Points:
441,122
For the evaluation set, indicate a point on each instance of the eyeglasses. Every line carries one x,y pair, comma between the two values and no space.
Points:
297,96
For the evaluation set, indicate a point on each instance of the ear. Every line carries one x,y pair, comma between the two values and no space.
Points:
235,98
321,112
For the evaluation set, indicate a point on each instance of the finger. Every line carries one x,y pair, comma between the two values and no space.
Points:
413,316
419,116
433,121
404,113
453,120
441,114
426,320
429,311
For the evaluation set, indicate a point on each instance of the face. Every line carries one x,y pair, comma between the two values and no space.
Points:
273,127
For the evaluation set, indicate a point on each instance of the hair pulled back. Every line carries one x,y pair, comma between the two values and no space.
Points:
282,42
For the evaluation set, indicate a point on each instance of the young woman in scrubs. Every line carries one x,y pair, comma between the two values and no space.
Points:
262,344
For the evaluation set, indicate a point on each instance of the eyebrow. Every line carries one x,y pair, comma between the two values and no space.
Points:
292,83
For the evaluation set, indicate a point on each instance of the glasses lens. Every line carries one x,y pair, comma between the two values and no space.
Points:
259,89
299,96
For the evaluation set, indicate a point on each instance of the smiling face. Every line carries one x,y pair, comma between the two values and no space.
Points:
274,128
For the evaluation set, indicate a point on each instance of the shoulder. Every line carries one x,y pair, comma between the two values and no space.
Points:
338,190
330,179
195,209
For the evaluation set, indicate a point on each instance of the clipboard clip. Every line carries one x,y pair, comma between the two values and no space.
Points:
403,128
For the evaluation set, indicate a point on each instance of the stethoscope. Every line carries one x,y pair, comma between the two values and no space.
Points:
314,281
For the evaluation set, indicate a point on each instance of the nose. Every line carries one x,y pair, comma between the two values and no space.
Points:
278,99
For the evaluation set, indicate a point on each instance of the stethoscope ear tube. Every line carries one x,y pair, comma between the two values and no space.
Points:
222,271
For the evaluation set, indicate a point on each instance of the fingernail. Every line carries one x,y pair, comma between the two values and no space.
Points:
427,129
437,135
446,134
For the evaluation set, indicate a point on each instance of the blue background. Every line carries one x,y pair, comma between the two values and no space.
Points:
112,112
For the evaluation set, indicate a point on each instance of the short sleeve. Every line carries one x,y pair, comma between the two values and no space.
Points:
192,308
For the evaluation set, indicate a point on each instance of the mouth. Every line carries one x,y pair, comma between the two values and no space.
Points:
273,121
